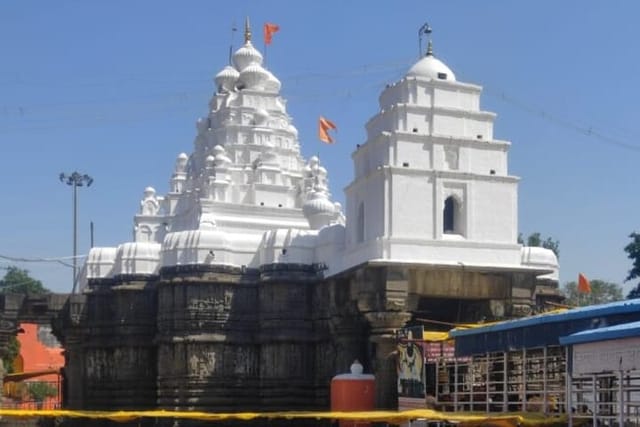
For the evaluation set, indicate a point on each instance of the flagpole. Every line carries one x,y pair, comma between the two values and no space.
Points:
264,45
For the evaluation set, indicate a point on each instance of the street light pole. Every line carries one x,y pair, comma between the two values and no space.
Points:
75,180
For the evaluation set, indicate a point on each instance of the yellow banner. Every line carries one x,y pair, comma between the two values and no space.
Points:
392,417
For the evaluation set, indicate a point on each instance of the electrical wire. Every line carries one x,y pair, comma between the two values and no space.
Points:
585,130
59,260
299,87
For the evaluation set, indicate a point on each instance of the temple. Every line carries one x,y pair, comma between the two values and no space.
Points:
247,286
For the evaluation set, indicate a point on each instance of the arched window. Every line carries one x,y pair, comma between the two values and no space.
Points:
360,229
449,215
145,233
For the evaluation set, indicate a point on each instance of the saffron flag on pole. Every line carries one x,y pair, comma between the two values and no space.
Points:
324,125
584,287
269,30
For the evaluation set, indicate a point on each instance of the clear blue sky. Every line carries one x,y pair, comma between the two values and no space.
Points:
113,89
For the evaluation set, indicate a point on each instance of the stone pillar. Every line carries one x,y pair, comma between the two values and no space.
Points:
208,354
383,340
69,329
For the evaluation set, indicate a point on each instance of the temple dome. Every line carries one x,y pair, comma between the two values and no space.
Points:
288,246
318,210
201,246
137,258
222,160
432,68
537,257
227,78
272,84
292,129
100,262
245,56
254,76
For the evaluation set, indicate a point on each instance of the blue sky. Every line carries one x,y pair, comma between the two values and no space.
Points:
113,89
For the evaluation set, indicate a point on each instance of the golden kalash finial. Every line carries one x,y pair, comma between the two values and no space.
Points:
247,30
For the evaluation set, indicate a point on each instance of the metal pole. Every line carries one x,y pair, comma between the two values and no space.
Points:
621,411
75,234
75,180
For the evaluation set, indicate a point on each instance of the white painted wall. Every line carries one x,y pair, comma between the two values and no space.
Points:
246,197
441,145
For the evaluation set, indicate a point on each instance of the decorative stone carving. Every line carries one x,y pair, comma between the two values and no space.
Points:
451,157
201,363
149,204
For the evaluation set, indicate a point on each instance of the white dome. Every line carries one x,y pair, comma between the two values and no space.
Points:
208,245
246,55
432,68
292,129
137,258
288,246
181,162
100,262
318,210
226,79
254,76
535,256
222,160
272,84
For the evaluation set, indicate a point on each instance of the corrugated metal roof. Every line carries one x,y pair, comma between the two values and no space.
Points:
624,330
618,307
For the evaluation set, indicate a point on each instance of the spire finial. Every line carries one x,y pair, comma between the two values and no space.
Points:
425,30
247,30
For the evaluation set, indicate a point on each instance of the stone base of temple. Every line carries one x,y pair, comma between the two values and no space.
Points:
230,340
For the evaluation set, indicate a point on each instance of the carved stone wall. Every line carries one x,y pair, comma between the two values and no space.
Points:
217,338
207,354
110,353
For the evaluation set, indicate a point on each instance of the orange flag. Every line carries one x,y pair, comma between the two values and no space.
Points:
323,130
269,30
584,287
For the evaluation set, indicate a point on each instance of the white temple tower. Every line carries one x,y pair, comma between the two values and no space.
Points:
431,183
244,182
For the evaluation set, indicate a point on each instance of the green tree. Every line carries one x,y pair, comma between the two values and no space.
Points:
535,239
633,252
18,281
40,390
601,292
10,354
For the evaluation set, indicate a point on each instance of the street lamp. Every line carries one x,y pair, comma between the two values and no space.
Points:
75,180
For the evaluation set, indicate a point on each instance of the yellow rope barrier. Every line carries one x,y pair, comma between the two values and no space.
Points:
392,417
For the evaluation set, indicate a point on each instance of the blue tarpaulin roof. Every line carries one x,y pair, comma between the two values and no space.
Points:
624,330
590,311
544,329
